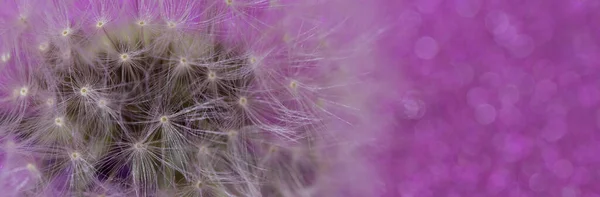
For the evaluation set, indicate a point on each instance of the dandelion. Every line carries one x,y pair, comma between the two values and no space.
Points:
170,98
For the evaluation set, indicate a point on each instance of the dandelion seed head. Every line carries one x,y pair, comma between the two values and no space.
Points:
164,119
66,54
75,156
23,91
66,32
183,61
124,57
273,149
139,146
5,57
103,88
203,150
84,91
287,38
232,133
43,46
243,101
171,24
59,121
31,168
101,103
293,85
10,144
23,19
100,24
50,102
212,75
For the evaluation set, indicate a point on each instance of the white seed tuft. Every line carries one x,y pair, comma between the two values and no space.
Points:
24,91
66,32
75,156
164,119
243,101
124,57
43,46
100,24
84,91
59,121
5,57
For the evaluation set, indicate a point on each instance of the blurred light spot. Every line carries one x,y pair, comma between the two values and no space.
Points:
485,114
522,46
497,22
563,168
467,8
509,95
413,108
538,183
428,6
477,96
426,48
554,130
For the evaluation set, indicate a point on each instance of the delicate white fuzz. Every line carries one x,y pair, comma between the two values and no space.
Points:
100,24
183,61
139,146
124,57
24,91
243,101
171,24
50,102
75,156
212,75
293,85
59,121
43,46
66,32
5,57
102,103
84,91
31,168
164,119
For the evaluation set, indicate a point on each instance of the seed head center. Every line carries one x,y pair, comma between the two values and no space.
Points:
164,119
58,122
83,91
183,61
75,156
212,75
138,146
5,57
124,57
43,46
24,91
66,32
243,101
171,24
31,168
102,103
293,85
50,102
